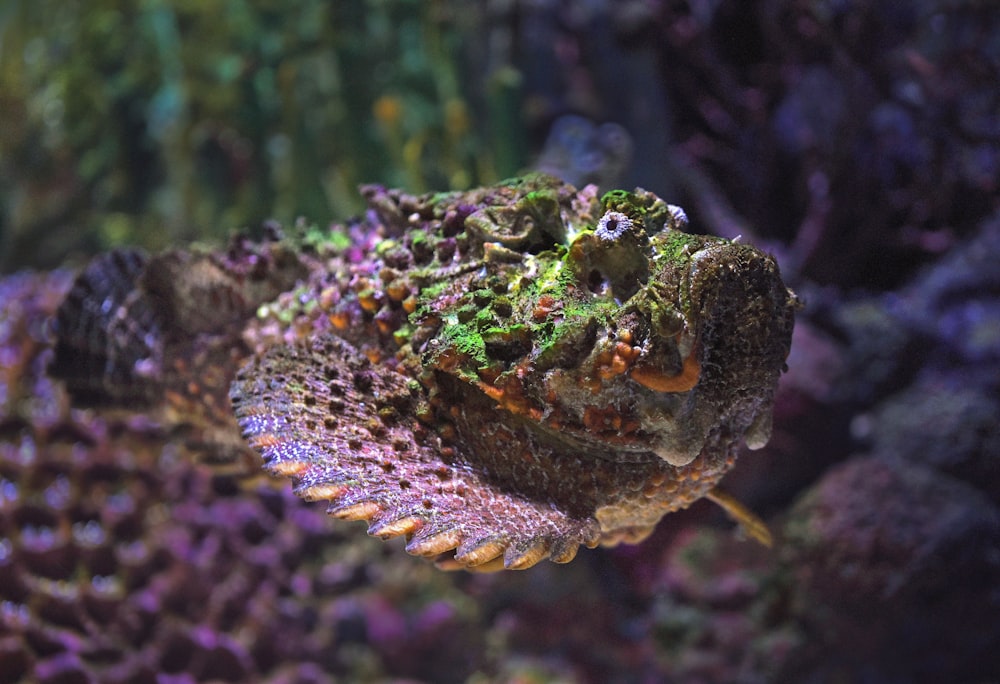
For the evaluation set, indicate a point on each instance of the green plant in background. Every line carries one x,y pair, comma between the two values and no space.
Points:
157,121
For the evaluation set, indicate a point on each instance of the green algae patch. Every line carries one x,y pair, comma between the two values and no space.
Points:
323,240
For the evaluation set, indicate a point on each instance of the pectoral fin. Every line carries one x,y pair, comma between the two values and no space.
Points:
748,521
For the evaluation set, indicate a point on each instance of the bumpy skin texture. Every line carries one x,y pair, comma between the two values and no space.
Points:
505,374
499,375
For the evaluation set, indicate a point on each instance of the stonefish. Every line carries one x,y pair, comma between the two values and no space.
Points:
499,375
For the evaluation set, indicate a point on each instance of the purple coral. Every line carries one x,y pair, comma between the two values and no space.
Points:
123,561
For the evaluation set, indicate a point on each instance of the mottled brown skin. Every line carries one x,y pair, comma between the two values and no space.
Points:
509,373
499,375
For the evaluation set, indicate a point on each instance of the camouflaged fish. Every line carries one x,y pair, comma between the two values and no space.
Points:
499,375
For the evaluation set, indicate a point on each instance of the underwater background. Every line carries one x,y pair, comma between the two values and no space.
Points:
857,141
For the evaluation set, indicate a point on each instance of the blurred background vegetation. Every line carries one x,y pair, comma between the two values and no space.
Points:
156,121
857,139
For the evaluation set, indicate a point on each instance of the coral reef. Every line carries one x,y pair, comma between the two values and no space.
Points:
856,142
124,557
859,587
121,560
